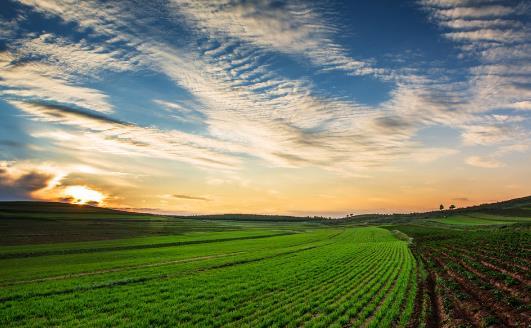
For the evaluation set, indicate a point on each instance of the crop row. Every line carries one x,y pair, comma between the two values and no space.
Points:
360,277
480,277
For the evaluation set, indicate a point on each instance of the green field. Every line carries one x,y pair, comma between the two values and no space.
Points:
480,219
63,265
319,278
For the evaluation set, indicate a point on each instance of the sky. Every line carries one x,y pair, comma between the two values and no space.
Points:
270,107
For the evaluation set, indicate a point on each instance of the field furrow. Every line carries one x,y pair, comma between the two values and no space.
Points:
320,278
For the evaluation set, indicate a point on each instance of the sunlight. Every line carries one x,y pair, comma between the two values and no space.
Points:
83,195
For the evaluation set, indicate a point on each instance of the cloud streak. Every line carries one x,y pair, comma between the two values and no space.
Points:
104,134
188,197
247,108
495,37
46,82
483,162
294,28
229,105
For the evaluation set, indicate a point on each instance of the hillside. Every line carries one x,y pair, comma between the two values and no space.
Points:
48,222
513,207
53,207
517,207
256,217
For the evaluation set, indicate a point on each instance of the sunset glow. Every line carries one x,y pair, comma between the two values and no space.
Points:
299,107
279,163
83,195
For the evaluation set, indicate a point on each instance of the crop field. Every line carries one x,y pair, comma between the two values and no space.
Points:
473,277
321,277
50,223
446,270
43,223
480,219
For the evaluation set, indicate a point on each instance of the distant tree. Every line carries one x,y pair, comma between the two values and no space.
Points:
441,207
452,207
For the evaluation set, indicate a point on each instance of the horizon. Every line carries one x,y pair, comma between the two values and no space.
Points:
284,108
335,216
325,215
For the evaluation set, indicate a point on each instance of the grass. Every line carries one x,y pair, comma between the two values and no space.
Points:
63,265
480,219
318,277
32,223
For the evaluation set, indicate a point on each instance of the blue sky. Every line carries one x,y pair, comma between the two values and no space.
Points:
241,105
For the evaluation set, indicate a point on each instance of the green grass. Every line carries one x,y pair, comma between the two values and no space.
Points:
62,265
258,276
26,223
487,216
480,219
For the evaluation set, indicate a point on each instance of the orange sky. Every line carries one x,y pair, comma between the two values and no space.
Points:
301,108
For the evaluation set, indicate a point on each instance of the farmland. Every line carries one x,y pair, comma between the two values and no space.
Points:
477,277
480,219
45,223
444,270
319,278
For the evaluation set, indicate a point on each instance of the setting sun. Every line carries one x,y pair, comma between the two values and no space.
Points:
83,195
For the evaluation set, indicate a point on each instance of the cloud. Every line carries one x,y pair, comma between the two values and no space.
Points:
33,181
485,135
104,134
45,82
292,28
190,197
248,109
496,38
457,12
245,107
483,162
520,105
275,122
16,184
68,115
454,3
462,199
140,209
390,123
11,143
473,24
75,58
505,36
49,181
494,160
187,113
428,155
520,148
172,106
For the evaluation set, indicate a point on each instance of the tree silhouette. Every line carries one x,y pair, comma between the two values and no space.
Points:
452,207
441,207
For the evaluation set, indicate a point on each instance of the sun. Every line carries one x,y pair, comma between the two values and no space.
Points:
83,195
